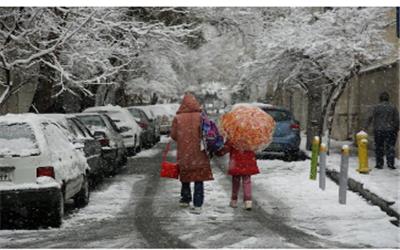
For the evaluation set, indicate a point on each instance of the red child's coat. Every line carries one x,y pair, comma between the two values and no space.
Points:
240,162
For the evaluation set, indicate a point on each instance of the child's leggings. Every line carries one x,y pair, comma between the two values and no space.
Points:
246,187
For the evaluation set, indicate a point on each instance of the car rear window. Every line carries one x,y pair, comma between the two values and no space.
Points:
117,117
279,115
135,113
17,139
92,120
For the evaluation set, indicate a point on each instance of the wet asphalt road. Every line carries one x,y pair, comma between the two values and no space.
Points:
153,219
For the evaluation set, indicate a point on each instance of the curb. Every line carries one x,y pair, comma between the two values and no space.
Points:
358,187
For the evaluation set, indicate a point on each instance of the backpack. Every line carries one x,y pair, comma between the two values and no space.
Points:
211,138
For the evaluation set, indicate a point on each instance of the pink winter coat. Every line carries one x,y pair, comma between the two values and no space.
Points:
194,164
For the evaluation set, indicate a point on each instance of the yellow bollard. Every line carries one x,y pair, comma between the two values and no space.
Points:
362,142
314,157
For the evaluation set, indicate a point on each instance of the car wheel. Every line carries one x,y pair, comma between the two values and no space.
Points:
139,147
56,214
124,160
291,155
82,198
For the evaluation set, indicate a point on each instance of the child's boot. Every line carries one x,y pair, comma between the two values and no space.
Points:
248,205
233,204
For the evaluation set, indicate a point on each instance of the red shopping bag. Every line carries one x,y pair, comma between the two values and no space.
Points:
168,169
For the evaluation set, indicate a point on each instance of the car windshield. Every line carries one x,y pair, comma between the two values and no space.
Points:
17,139
278,115
92,120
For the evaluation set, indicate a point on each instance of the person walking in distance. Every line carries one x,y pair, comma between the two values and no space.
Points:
193,162
385,119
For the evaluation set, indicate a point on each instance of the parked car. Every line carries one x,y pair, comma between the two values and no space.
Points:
286,139
127,125
153,121
172,107
40,168
148,136
91,149
107,133
164,118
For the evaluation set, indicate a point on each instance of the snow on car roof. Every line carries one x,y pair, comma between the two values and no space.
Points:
170,108
159,110
258,104
145,109
107,107
30,118
121,113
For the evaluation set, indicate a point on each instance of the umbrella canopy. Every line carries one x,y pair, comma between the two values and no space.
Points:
248,128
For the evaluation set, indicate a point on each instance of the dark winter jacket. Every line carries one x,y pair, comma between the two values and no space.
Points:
385,117
240,162
194,164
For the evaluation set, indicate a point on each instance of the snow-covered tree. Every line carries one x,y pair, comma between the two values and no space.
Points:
319,50
79,49
29,36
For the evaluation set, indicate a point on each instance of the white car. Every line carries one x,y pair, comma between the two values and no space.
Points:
126,123
164,117
40,168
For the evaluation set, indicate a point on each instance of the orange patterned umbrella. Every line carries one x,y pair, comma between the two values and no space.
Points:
248,128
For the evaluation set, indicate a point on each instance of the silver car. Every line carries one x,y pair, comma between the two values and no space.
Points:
107,133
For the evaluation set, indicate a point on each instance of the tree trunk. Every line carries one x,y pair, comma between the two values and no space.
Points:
8,91
42,99
334,98
314,114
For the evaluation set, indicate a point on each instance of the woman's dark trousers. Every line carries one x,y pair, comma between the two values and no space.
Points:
198,196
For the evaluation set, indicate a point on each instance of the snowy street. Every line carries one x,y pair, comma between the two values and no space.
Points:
127,126
138,209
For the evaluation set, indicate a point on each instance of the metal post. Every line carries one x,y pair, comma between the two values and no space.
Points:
322,165
314,158
344,168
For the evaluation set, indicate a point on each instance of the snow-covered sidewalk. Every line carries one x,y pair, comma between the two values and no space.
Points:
383,182
305,206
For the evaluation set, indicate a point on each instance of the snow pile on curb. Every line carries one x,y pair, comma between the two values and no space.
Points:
147,153
383,182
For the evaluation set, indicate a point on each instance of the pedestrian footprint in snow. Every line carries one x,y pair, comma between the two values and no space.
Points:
385,118
193,162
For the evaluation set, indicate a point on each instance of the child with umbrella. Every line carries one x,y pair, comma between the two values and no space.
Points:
247,129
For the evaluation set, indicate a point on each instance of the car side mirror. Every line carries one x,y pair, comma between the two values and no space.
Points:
99,135
137,119
116,120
